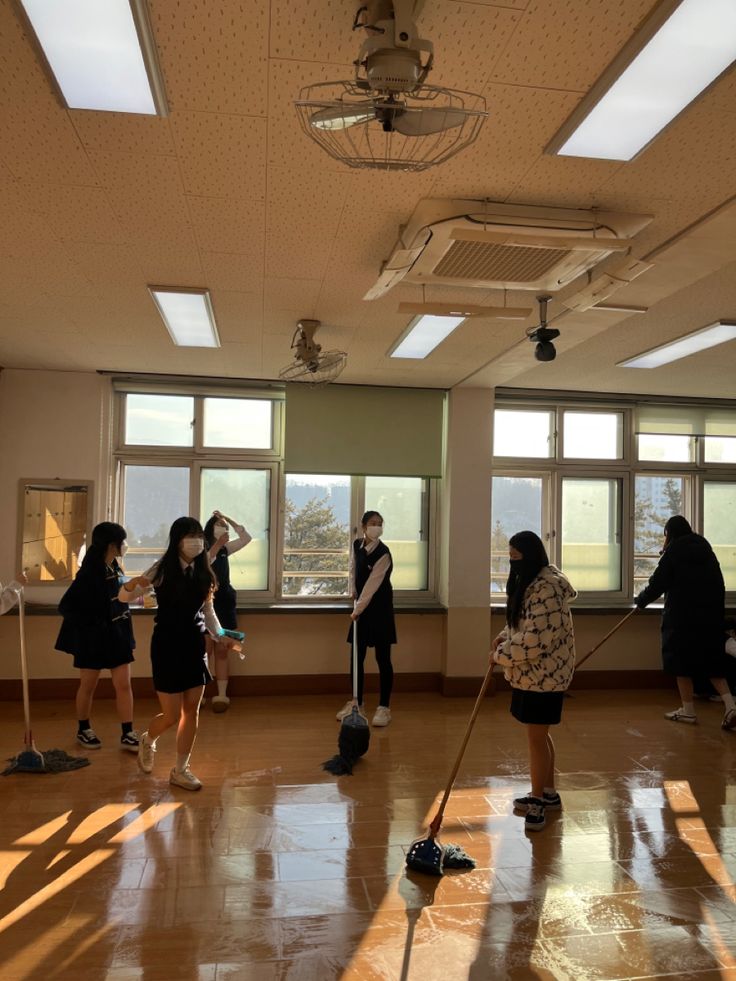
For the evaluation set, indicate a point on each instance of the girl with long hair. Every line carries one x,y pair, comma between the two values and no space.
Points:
537,651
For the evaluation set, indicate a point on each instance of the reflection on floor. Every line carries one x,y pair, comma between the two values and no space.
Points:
276,870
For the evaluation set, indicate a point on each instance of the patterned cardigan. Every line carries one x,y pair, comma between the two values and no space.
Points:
539,654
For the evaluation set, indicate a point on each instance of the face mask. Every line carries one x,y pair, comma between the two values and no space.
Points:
191,547
220,530
516,565
374,531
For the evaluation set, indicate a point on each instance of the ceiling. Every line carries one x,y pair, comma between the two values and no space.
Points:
227,193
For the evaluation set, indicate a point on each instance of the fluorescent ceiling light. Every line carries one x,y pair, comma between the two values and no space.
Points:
693,46
100,53
423,335
188,316
700,340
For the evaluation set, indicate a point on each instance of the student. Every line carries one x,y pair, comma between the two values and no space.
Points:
9,593
689,575
370,587
183,582
98,631
221,547
537,651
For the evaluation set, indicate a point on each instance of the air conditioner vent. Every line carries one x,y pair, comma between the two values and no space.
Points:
498,263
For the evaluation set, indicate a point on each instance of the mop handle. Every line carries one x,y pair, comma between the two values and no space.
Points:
24,662
610,633
476,709
355,661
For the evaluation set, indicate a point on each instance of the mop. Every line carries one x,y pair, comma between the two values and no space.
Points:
355,736
427,854
610,633
30,759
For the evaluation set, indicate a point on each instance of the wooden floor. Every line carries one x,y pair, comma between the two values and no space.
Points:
276,870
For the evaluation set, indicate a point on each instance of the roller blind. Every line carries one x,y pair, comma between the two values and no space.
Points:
350,429
675,420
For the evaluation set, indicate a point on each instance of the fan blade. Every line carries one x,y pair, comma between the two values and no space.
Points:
342,116
424,122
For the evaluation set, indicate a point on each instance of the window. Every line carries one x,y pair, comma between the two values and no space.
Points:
523,433
154,497
591,536
592,435
316,535
516,505
243,495
159,420
720,449
238,423
403,503
656,499
659,447
719,525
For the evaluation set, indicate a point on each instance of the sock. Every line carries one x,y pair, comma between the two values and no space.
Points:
182,761
126,727
83,724
222,689
145,738
688,708
550,792
728,701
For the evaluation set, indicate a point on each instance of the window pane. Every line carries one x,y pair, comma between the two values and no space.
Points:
244,496
720,449
668,449
159,420
402,502
516,505
520,433
154,498
593,435
657,499
719,525
239,423
316,535
591,549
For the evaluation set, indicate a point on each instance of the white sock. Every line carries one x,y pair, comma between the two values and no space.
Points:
147,740
728,701
550,792
182,761
688,708
222,689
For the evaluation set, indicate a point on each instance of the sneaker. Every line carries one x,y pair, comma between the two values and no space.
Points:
185,779
88,738
146,753
382,716
729,720
130,741
535,819
552,802
347,709
680,715
220,703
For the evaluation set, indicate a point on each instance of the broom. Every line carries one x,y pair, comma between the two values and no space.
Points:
426,854
610,633
355,736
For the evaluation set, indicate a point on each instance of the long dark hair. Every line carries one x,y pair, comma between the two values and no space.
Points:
103,535
168,568
533,559
209,530
676,527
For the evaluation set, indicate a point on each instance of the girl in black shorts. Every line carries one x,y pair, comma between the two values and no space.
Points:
537,651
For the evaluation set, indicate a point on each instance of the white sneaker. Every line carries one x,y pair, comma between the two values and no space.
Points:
347,709
382,716
679,715
146,753
220,703
729,720
185,779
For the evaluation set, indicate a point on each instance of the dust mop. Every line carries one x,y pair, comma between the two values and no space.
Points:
427,854
355,735
30,759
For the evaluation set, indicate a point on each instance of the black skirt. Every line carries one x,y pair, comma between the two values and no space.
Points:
97,647
178,659
542,708
226,607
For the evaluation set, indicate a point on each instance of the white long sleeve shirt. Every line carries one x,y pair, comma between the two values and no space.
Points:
374,580
235,544
9,595
211,622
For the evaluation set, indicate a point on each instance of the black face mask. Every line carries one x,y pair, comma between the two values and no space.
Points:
516,565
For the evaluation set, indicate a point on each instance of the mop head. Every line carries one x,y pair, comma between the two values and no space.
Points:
428,856
352,743
52,761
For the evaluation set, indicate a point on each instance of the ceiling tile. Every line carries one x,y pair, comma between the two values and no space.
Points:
221,155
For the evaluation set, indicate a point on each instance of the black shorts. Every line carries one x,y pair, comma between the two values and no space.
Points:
542,708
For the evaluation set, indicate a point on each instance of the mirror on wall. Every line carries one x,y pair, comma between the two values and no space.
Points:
54,528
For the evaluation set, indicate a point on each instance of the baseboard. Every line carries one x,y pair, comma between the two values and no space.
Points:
585,680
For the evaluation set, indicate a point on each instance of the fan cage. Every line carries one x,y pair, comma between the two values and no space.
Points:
367,146
329,365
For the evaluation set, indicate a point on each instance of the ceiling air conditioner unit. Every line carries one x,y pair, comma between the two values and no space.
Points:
487,245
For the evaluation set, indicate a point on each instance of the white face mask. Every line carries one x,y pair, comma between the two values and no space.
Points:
190,548
220,530
374,531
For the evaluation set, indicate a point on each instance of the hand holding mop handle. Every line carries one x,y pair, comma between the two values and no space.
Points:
610,633
436,824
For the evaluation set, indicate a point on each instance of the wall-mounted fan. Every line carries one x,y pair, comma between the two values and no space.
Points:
311,363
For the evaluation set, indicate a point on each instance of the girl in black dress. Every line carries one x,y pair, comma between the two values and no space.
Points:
97,630
221,547
370,587
184,584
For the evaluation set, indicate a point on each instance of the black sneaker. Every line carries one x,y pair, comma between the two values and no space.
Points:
552,802
88,738
130,741
535,819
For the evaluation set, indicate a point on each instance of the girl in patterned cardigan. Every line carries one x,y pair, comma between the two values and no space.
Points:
537,651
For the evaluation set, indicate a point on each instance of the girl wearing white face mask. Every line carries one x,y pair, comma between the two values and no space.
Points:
370,587
184,584
97,630
221,546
